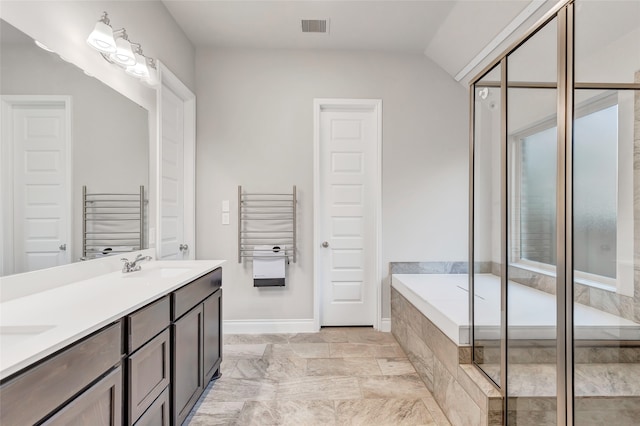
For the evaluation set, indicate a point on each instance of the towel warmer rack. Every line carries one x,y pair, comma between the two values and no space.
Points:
112,223
266,219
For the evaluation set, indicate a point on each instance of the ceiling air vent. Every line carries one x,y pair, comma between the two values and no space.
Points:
315,26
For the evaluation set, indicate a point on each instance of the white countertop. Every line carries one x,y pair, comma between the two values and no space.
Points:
40,324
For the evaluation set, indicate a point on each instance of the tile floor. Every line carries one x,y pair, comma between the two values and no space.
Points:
339,376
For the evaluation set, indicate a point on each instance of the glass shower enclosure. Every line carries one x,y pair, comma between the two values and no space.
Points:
555,218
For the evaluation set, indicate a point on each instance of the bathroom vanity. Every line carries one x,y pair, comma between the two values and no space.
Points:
135,348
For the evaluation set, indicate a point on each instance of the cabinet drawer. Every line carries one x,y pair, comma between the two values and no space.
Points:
195,292
39,391
158,412
147,322
148,374
101,404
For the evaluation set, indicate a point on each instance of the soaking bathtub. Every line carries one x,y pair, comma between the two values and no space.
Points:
444,300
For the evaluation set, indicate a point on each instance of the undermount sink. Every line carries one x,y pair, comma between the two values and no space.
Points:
12,334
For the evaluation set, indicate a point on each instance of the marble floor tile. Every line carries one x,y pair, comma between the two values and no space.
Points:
407,386
330,335
227,365
215,413
371,336
381,412
343,367
249,368
250,339
231,389
270,368
395,366
243,351
294,413
310,388
345,376
349,350
436,411
299,350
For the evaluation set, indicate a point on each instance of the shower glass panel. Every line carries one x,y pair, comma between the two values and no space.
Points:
487,219
607,41
532,153
606,218
606,325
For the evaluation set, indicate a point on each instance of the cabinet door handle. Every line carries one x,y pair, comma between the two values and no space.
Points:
183,247
325,244
63,247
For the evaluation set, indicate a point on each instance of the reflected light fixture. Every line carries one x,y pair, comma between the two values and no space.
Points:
124,52
43,46
116,48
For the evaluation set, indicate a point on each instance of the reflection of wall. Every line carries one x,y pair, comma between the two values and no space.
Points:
110,133
255,120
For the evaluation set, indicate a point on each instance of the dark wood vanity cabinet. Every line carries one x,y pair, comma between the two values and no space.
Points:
82,381
148,362
212,347
148,368
196,341
188,383
100,405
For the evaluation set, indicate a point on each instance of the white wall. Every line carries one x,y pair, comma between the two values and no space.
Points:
255,128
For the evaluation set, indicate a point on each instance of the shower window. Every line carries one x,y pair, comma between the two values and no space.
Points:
596,186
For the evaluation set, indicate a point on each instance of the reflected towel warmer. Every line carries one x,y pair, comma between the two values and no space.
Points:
112,223
266,219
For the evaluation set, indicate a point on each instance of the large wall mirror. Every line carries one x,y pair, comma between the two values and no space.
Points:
62,131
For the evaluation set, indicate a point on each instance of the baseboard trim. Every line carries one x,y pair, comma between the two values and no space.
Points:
269,326
385,324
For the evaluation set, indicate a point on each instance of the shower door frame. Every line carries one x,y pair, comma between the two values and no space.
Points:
564,12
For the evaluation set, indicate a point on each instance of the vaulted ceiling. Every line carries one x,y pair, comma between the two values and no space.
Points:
450,32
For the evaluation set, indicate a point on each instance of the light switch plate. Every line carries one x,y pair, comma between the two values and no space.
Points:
225,205
225,218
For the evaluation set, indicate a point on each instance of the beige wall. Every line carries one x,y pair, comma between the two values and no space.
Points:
255,128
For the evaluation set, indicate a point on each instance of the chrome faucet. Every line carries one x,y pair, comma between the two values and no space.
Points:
133,265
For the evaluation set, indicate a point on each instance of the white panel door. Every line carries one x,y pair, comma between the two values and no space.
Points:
348,228
40,187
172,197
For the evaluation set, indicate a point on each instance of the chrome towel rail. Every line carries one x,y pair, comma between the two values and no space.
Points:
105,218
266,219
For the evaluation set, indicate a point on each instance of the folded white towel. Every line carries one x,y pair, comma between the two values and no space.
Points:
269,261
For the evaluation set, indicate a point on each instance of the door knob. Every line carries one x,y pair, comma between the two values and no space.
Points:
63,247
183,247
325,244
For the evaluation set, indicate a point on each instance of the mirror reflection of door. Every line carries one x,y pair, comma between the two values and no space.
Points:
172,244
36,182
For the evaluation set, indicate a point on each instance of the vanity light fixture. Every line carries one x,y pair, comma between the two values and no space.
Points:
101,38
116,48
124,51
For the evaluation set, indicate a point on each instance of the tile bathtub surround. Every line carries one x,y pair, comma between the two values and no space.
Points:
463,393
339,376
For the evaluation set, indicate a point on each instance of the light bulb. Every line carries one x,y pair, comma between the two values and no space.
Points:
139,69
101,38
123,54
